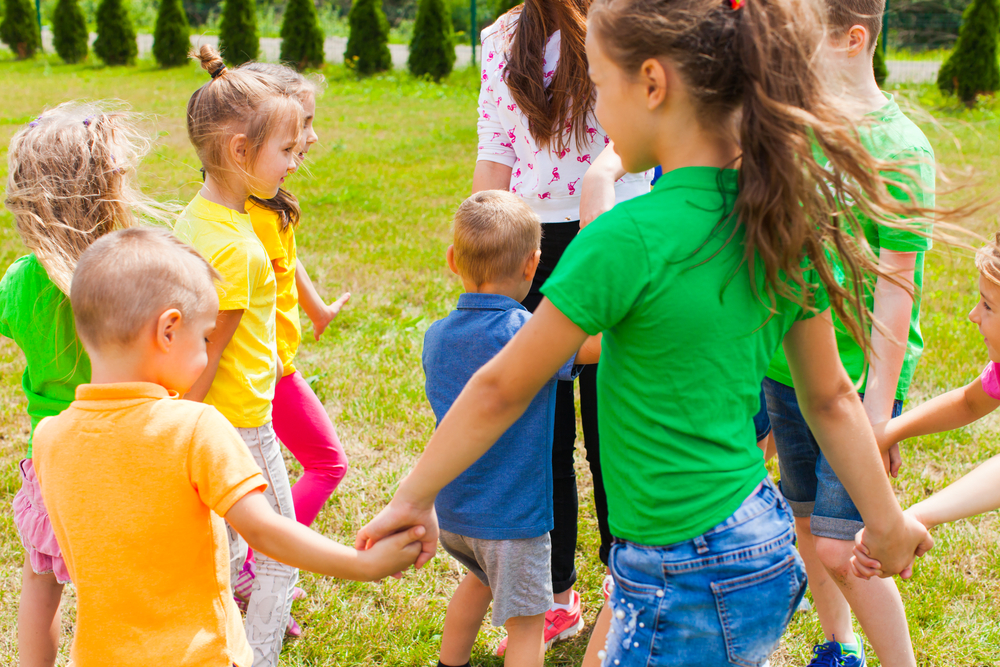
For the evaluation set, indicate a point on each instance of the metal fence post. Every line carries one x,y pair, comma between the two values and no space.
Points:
472,31
885,28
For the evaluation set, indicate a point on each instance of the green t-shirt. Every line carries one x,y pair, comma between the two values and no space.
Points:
686,343
891,137
38,316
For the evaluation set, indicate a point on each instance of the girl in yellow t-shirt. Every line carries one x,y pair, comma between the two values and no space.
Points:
246,132
300,420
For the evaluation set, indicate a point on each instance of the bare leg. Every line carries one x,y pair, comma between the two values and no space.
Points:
598,638
38,618
566,597
462,621
876,603
525,645
831,605
768,447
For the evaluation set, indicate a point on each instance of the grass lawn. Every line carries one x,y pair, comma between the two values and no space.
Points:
396,156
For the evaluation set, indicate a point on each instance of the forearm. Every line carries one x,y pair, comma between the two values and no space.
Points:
976,493
590,351
942,413
490,176
292,543
310,300
225,328
607,166
893,305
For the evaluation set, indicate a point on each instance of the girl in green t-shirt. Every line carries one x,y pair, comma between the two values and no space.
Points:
71,181
695,286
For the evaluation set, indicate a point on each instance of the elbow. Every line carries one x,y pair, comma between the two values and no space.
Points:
493,390
832,404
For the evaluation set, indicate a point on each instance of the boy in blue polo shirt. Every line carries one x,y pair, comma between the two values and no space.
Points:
495,517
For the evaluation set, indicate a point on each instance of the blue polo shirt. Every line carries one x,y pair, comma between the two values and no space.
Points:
507,493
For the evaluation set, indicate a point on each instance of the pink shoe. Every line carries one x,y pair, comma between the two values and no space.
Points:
292,628
560,624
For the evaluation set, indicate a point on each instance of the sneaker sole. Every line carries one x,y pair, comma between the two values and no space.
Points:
566,634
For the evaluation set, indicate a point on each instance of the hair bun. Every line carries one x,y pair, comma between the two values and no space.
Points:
210,60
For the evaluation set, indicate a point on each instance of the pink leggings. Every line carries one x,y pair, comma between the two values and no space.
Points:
301,423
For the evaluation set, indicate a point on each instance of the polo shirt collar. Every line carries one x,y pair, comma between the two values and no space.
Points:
480,301
122,390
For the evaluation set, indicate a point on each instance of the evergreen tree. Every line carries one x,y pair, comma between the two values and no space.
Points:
115,43
69,31
301,35
432,50
368,43
239,41
172,35
972,67
878,62
19,29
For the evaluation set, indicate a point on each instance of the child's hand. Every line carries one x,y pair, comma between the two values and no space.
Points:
328,314
395,516
391,555
868,558
889,446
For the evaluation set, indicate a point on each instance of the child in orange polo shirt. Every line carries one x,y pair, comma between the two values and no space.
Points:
141,524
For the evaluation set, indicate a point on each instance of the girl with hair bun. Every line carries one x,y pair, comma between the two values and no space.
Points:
246,132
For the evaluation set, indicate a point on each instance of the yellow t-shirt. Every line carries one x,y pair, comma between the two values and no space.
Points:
136,483
244,384
280,247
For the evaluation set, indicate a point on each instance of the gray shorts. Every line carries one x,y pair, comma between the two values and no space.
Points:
518,572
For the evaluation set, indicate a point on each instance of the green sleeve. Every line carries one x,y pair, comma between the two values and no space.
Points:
602,274
916,183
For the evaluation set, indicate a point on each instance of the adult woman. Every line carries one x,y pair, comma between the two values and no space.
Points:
537,138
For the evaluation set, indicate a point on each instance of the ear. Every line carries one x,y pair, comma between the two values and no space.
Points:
168,325
857,41
449,256
655,79
531,265
238,149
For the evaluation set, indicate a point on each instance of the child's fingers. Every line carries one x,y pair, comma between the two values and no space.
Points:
861,571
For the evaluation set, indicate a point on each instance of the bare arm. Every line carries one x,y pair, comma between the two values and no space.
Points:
226,325
317,310
597,192
493,399
292,543
955,409
490,176
590,351
837,419
893,306
976,493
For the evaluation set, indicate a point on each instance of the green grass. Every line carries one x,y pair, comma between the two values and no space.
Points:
395,158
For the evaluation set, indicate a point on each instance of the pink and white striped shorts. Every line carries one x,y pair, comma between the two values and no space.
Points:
34,527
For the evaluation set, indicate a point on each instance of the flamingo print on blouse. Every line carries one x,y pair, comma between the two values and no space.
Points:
512,107
563,153
583,158
497,134
555,175
548,75
517,174
607,140
506,145
572,186
485,76
511,135
489,58
486,116
545,195
592,131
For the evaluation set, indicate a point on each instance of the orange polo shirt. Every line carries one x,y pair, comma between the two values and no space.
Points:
136,483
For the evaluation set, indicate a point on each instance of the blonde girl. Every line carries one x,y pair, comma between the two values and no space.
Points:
71,180
300,420
246,133
695,285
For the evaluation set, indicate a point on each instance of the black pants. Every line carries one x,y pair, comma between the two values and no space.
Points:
555,239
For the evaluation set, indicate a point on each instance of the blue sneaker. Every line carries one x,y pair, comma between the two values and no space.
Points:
831,654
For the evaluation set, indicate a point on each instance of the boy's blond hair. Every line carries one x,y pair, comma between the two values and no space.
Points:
988,260
128,278
71,178
495,233
842,15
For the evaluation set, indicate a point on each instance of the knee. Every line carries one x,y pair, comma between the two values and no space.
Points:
835,555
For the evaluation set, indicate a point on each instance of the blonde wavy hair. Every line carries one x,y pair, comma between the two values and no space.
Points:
71,179
988,260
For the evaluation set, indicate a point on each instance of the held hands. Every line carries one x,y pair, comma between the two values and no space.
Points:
400,515
391,555
328,314
892,553
889,447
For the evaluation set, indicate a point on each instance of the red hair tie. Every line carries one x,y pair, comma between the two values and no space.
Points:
736,4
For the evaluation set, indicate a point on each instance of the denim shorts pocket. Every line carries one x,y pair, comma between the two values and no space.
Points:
755,608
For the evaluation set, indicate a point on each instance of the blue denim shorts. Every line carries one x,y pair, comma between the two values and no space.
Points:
722,598
807,480
761,421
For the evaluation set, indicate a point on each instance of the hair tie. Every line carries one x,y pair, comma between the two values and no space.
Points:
35,122
736,4
86,121
219,70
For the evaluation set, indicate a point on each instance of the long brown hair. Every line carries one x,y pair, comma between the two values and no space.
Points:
755,71
569,98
